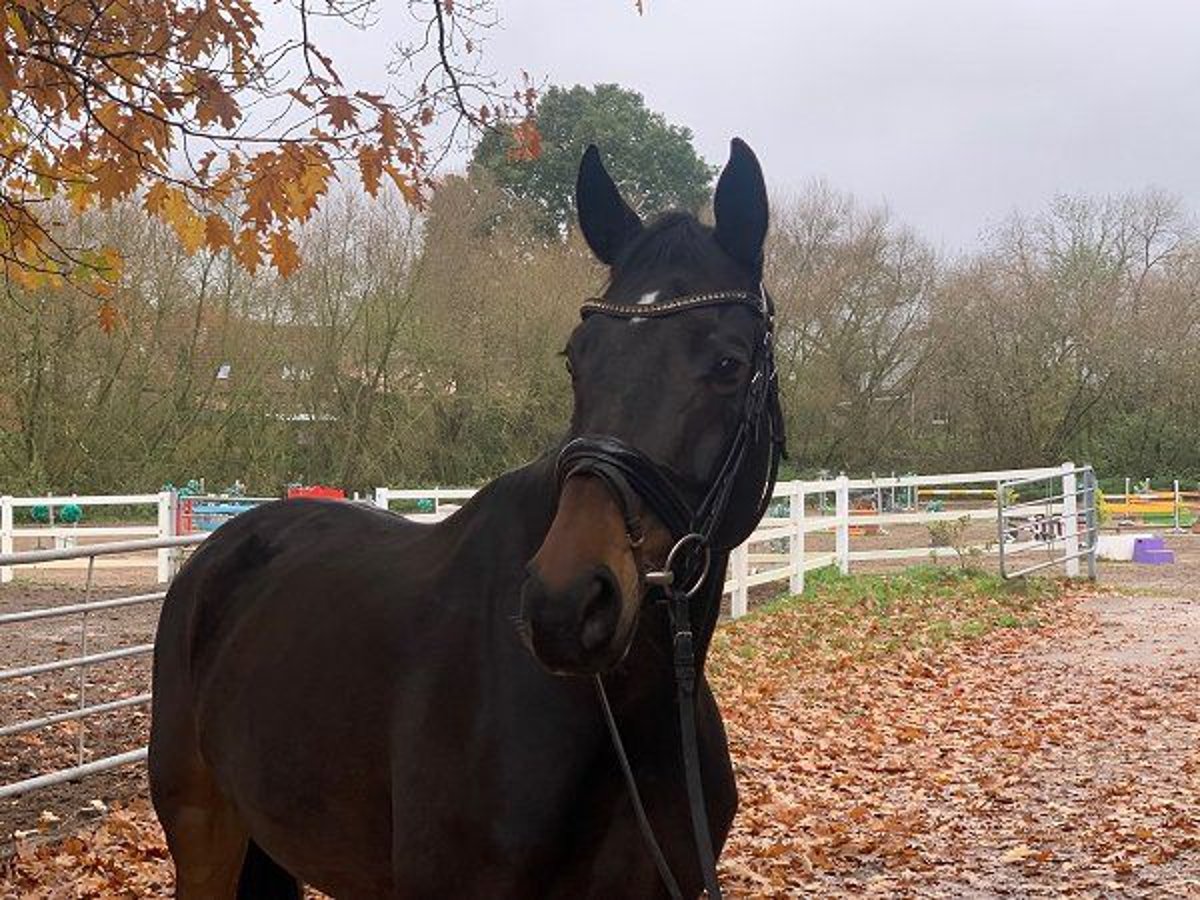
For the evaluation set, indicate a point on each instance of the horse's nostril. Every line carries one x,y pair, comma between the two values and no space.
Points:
601,610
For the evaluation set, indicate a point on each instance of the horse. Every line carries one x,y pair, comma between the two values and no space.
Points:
380,708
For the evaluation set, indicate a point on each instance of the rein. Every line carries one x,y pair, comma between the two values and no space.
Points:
631,475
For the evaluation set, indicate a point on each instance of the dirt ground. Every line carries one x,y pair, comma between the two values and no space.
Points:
1095,759
1104,796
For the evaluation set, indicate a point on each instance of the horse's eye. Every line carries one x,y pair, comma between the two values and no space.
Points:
728,367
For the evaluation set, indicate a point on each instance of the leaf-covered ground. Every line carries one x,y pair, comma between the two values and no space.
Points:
943,735
928,734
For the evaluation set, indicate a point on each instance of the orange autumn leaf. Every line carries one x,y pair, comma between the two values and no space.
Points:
370,165
341,112
284,253
155,198
189,226
527,141
407,187
217,233
247,250
108,317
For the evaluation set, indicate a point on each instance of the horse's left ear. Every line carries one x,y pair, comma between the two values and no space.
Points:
740,208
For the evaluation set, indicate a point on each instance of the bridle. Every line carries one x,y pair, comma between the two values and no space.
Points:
632,476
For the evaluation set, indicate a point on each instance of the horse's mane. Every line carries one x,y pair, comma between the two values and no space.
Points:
675,240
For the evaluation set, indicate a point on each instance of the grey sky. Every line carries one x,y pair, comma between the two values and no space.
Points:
952,112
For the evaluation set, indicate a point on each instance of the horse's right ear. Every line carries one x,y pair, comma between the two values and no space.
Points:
607,222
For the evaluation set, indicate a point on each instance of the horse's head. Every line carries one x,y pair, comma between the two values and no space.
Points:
675,428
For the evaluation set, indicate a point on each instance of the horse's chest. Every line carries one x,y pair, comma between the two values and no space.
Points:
534,834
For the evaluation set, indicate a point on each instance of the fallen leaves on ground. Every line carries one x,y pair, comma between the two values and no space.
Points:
943,736
123,856
933,733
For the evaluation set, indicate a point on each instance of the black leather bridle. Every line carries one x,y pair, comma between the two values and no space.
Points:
632,476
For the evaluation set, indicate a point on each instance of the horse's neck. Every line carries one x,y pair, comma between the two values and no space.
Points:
518,506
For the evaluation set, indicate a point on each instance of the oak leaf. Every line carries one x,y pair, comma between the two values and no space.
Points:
284,254
341,112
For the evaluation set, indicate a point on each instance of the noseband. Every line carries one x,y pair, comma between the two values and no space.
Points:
631,475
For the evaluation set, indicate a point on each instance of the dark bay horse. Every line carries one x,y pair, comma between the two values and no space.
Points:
384,709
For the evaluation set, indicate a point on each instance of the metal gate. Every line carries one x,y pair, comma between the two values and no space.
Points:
1047,520
84,705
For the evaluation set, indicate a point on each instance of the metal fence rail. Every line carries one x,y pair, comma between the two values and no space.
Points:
83,660
1062,522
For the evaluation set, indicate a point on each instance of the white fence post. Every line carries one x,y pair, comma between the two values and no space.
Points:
739,561
796,539
1070,520
6,535
842,493
381,497
166,529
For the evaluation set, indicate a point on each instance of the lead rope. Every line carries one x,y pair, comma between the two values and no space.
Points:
685,685
639,811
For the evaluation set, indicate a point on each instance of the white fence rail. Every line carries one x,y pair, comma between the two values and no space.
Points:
811,506
435,498
777,551
70,535
781,550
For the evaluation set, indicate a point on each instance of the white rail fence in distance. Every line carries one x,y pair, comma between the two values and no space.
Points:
781,549
64,536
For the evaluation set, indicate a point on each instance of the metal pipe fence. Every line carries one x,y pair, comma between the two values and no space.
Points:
1053,521
83,660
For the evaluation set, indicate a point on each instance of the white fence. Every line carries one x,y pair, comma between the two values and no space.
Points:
780,550
437,497
775,552
63,536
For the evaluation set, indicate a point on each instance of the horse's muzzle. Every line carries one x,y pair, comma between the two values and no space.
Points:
575,630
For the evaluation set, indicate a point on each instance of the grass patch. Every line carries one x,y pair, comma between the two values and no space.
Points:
856,618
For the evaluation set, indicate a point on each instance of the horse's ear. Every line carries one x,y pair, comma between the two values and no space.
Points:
740,208
607,222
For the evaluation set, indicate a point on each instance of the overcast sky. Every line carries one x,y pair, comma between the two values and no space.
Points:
953,113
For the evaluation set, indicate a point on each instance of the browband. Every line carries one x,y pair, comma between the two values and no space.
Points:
680,304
